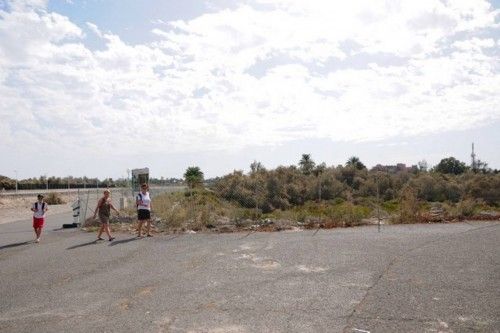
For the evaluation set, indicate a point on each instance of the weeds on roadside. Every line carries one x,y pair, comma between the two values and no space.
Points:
54,198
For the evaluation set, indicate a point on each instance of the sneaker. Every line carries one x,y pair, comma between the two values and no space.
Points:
111,239
100,238
37,240
149,235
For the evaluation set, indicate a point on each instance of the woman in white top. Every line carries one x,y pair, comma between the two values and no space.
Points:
143,202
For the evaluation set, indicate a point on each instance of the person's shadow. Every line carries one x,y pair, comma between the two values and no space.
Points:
128,240
81,245
123,241
14,245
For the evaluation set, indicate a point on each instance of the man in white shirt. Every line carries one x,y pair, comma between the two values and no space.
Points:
39,209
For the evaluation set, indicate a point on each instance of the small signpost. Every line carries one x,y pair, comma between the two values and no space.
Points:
76,211
139,177
76,215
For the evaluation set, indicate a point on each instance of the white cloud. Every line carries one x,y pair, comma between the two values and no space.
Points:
327,71
95,29
474,44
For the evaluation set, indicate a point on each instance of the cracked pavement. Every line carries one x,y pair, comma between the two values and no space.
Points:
407,278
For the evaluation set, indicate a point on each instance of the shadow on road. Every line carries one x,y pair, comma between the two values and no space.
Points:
13,245
123,241
81,245
127,240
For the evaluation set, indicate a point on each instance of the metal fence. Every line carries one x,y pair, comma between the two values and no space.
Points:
121,198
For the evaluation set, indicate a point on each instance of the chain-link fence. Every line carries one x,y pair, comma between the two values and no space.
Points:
276,200
121,198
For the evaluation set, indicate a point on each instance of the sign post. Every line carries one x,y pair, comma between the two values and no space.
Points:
76,211
139,177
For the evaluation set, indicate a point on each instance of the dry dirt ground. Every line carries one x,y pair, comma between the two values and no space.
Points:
18,208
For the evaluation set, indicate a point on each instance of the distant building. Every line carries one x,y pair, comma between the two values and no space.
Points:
400,167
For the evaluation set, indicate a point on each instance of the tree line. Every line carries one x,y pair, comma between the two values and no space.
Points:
288,186
44,182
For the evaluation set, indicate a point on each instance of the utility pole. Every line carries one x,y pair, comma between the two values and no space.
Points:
378,202
129,183
473,158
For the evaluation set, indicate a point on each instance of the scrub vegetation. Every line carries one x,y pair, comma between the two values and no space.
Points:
317,196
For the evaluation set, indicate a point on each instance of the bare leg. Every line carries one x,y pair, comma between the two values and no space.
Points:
101,229
148,227
139,229
38,232
106,228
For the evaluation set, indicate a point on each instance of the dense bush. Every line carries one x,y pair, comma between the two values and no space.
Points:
485,187
399,190
409,208
194,210
54,198
318,196
7,183
437,187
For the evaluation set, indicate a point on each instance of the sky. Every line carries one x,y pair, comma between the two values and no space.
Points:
96,87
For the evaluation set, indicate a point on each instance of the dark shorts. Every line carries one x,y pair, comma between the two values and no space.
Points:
143,214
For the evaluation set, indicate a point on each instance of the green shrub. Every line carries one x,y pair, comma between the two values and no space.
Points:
338,201
485,187
348,214
391,206
465,208
54,198
409,211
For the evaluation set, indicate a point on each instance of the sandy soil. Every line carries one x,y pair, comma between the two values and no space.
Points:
18,208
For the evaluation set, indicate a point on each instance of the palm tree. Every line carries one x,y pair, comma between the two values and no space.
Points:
256,167
306,164
193,177
355,162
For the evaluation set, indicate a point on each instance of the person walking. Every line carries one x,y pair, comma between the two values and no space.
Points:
143,202
39,209
104,206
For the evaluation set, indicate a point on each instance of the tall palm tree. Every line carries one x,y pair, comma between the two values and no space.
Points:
256,167
306,164
355,162
193,177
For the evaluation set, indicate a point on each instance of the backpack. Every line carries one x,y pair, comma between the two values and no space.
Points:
43,205
140,197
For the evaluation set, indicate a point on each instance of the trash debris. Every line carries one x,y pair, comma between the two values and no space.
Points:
358,330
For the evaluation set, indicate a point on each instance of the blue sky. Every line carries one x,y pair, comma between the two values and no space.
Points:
97,87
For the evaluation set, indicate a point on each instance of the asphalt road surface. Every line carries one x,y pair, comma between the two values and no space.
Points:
407,278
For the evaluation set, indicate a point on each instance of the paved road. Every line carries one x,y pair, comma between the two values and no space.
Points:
415,278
